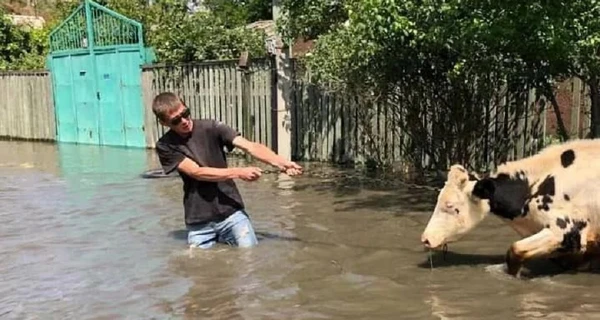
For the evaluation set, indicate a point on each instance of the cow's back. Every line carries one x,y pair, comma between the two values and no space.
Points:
571,155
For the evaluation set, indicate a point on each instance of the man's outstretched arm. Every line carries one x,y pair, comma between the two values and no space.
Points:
266,155
197,172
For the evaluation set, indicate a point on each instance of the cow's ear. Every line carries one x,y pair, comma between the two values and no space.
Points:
473,176
484,188
458,176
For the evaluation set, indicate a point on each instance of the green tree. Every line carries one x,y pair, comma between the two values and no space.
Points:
231,12
311,18
259,10
20,48
449,56
178,36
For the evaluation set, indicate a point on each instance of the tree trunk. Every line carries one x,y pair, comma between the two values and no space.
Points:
562,130
595,107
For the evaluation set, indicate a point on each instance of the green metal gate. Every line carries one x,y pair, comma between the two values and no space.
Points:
95,60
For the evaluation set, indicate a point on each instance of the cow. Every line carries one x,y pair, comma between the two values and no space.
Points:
551,199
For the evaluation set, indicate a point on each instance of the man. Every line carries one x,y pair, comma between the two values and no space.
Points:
214,210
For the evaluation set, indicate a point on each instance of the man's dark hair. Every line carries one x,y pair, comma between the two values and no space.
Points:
165,103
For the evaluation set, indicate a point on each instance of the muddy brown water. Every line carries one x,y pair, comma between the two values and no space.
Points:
84,237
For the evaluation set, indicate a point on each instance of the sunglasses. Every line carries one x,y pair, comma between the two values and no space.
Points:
177,119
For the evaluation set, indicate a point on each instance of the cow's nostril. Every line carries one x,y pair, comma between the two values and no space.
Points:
425,242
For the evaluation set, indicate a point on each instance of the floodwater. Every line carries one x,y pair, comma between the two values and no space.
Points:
84,237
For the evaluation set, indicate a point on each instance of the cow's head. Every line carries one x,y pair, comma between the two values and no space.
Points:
457,210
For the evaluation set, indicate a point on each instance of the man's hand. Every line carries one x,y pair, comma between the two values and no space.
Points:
266,155
249,173
291,168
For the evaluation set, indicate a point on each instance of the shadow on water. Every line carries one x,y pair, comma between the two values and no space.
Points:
532,269
402,200
387,191
453,259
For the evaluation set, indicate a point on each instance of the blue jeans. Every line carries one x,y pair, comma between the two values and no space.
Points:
236,230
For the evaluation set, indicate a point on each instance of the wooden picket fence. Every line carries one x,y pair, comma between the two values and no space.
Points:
326,126
338,127
341,128
26,106
215,90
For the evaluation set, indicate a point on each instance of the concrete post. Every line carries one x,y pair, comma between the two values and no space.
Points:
282,106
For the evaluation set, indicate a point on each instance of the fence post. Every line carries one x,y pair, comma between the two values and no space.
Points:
246,97
575,107
274,100
282,90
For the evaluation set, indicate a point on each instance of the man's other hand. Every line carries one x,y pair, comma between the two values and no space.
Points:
249,173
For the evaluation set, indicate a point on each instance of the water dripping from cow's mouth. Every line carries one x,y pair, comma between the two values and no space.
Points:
444,252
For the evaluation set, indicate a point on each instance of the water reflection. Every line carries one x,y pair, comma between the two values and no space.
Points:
101,165
27,155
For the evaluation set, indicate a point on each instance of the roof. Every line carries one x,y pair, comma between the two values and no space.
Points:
268,26
35,22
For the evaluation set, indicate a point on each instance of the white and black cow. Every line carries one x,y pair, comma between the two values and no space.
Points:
551,199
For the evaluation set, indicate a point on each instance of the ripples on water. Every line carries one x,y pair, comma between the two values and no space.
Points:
83,237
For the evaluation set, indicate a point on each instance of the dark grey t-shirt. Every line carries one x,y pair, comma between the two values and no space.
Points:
203,201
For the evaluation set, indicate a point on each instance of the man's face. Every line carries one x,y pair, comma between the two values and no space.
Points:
179,120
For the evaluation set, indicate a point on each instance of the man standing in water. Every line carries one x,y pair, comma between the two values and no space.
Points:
214,210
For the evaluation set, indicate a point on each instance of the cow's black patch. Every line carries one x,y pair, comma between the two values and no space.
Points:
561,223
544,207
567,158
567,197
547,187
543,202
546,201
484,188
507,195
572,239
580,224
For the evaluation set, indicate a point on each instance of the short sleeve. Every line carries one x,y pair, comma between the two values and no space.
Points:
169,157
226,134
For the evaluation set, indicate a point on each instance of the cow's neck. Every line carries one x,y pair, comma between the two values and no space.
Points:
525,227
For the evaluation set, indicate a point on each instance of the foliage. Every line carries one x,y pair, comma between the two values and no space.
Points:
169,27
19,47
199,38
231,12
259,10
178,36
234,13
443,63
310,18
